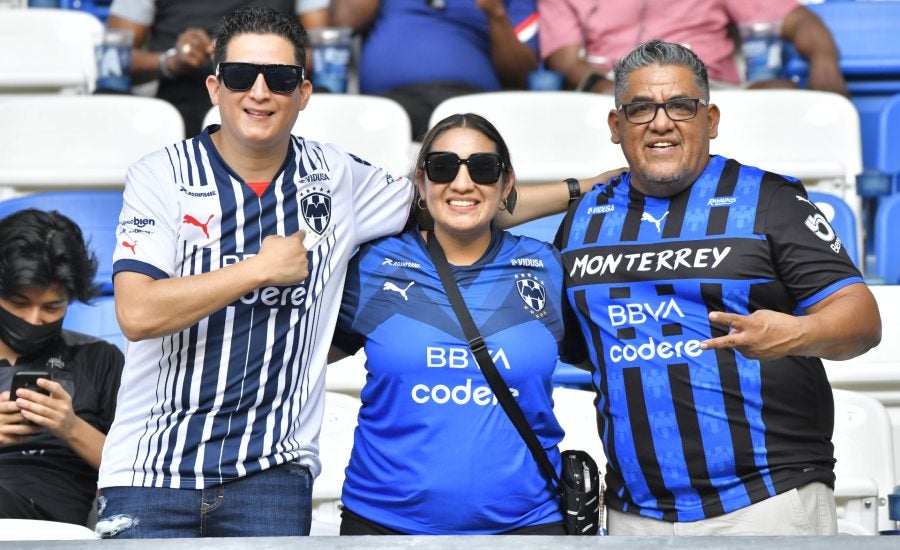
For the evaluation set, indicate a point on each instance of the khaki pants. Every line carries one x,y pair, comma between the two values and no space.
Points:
808,511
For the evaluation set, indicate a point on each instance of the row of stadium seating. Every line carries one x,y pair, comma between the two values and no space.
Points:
813,135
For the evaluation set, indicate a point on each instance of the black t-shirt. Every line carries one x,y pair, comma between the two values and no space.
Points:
43,468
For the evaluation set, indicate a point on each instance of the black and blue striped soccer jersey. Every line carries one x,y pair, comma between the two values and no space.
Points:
243,389
692,434
434,452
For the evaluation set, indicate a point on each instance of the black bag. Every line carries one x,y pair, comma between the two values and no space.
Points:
579,487
580,493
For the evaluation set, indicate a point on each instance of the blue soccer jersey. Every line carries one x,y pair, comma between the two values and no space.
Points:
434,452
243,389
692,434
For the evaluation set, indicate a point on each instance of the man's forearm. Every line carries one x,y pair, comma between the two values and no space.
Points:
149,308
544,199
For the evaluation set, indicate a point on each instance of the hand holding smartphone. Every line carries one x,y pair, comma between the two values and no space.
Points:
27,379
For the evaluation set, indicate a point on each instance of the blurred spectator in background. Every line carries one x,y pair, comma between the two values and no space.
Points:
172,43
51,436
421,52
582,39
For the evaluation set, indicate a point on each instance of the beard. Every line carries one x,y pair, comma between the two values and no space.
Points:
657,185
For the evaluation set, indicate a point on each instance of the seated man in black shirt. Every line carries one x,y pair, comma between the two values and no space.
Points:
50,444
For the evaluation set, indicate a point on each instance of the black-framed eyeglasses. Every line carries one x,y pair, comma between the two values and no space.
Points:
484,168
239,77
643,112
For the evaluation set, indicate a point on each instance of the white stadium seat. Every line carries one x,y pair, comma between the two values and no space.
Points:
52,141
48,50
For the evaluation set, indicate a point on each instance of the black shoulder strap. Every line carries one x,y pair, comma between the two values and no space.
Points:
479,350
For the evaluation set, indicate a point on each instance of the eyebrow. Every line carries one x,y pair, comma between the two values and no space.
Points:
647,99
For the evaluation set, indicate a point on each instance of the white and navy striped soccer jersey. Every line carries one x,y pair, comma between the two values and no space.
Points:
692,434
243,389
434,452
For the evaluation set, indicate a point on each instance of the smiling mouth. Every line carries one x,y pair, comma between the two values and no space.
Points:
257,113
461,203
662,145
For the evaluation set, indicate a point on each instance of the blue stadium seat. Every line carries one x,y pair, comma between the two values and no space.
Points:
99,8
842,220
866,35
96,213
888,148
570,376
887,240
542,229
96,319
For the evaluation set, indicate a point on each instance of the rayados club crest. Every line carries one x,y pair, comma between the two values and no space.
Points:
531,291
316,211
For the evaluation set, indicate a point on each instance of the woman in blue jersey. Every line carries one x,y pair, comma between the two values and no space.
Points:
434,452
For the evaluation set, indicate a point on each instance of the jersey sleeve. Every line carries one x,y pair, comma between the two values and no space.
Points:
306,6
524,18
108,362
141,12
381,202
346,337
146,234
808,254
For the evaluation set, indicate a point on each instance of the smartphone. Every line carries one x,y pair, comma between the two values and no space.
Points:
27,379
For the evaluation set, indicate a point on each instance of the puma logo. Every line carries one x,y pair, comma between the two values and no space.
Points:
804,199
132,246
394,288
191,220
648,217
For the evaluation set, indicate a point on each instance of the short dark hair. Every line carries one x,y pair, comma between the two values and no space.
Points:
43,249
657,52
260,21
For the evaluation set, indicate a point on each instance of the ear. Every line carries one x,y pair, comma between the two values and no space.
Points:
509,183
713,120
212,86
419,178
613,120
306,89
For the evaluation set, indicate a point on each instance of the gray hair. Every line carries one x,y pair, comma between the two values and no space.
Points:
657,52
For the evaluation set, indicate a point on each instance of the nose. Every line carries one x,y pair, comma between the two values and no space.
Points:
32,315
462,181
661,120
260,88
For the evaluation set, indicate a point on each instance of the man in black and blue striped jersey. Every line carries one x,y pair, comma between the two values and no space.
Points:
708,291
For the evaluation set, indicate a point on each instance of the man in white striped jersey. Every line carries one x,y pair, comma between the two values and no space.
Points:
234,247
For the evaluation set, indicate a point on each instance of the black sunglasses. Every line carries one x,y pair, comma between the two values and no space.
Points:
442,166
239,77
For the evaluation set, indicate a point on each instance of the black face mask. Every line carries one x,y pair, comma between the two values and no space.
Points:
23,337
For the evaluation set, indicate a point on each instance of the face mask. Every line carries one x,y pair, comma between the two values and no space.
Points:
23,337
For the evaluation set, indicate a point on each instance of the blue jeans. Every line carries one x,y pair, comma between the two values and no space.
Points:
275,502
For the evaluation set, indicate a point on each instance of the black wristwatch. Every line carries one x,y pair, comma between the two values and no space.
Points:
574,189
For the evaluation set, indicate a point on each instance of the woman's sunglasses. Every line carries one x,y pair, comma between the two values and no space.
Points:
239,77
442,166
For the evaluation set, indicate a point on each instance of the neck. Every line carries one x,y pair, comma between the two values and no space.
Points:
463,249
251,164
